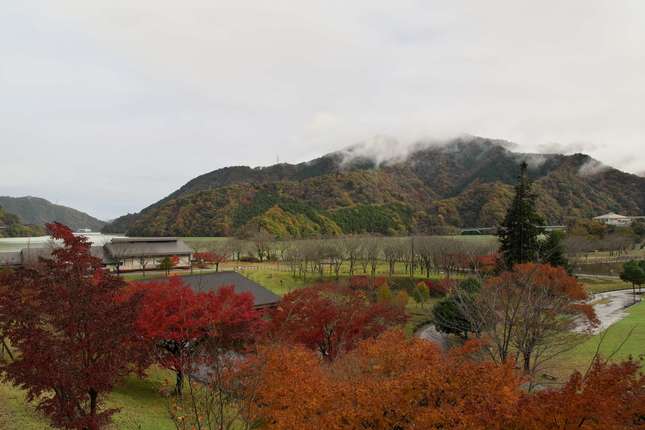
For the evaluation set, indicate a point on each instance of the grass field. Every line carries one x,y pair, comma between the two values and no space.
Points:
142,405
602,285
198,243
630,330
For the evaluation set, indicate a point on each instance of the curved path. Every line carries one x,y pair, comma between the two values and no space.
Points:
429,332
610,308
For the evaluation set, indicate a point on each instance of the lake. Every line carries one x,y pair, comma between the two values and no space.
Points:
9,244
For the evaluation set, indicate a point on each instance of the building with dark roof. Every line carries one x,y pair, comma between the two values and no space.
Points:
214,281
133,254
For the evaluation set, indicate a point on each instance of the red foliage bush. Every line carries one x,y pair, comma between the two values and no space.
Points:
440,288
331,319
363,282
207,258
359,282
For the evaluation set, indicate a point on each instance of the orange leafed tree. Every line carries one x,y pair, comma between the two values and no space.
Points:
387,383
608,397
393,382
527,314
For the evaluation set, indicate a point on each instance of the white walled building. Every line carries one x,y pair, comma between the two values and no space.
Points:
120,254
614,219
145,253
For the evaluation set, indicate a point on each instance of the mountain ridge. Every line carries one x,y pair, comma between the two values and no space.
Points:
464,182
39,211
11,226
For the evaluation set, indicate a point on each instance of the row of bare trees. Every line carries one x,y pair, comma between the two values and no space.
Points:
363,254
582,248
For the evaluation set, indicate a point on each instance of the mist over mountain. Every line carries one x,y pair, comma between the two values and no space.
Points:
380,186
38,211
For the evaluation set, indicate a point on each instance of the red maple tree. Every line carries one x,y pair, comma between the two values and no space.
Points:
331,318
177,321
73,339
207,258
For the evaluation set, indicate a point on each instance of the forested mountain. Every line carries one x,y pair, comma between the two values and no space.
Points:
11,226
465,182
38,211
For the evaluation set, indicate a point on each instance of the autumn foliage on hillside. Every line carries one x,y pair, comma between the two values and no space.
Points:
394,382
467,183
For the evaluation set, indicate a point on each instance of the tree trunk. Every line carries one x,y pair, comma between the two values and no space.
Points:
527,362
5,349
93,401
179,384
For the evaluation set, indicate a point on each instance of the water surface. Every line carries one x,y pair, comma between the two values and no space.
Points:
9,244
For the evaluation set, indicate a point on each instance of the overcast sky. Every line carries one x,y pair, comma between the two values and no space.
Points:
109,106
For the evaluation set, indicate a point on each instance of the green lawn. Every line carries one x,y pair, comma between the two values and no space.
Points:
602,285
142,405
280,283
199,243
609,341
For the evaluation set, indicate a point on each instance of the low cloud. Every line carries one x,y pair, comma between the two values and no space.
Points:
592,167
566,148
534,161
380,150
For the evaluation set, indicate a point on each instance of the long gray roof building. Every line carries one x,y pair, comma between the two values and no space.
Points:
128,247
113,253
262,297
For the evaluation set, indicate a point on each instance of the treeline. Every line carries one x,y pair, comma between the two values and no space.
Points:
585,237
11,226
423,255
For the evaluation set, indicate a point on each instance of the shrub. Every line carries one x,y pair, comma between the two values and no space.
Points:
438,288
401,299
383,294
249,259
359,282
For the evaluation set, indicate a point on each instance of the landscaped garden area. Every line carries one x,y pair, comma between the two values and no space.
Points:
145,402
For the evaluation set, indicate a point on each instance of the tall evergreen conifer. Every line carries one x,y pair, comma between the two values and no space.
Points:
522,226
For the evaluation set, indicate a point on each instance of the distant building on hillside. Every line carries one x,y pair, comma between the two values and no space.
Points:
120,254
614,219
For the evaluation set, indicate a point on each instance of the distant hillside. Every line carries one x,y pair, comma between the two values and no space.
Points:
38,211
11,226
465,182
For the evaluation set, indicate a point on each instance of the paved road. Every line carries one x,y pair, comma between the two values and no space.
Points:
608,277
610,308
429,332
